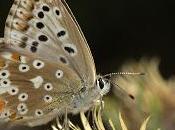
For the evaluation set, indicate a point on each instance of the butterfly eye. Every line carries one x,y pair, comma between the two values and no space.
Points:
48,87
24,68
4,74
101,83
47,98
23,97
39,112
59,74
5,82
38,64
13,91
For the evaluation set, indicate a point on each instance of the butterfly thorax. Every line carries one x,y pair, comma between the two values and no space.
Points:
89,97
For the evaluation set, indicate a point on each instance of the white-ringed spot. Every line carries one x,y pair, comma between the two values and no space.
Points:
57,12
22,108
24,68
48,98
59,74
38,64
23,97
13,91
48,86
4,74
5,113
23,111
5,82
38,112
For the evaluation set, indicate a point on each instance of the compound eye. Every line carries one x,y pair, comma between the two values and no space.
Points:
101,83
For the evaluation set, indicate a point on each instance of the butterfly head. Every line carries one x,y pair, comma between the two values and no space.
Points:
103,85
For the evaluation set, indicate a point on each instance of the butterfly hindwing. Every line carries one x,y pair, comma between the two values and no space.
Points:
30,90
47,29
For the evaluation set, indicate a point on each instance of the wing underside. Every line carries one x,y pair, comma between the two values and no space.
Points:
29,89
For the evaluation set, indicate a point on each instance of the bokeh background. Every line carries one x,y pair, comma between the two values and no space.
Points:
120,30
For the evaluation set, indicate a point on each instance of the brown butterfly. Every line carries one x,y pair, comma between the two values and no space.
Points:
46,66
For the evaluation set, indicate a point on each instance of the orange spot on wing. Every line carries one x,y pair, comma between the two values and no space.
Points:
2,105
15,57
2,63
13,116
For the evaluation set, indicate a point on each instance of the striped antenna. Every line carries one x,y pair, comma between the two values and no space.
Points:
128,73
124,73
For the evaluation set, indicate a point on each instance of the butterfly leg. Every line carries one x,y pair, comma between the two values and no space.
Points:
93,118
66,121
89,114
98,108
101,103
58,124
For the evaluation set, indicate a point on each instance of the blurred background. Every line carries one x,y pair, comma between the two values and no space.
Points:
122,30
118,30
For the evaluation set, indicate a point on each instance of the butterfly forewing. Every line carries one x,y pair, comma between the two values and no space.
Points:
32,88
47,29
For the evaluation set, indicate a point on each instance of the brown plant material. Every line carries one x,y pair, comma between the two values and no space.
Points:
154,95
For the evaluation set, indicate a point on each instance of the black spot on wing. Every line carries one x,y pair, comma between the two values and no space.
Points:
43,38
41,14
69,49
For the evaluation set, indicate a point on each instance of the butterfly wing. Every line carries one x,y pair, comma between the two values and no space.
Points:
48,29
30,92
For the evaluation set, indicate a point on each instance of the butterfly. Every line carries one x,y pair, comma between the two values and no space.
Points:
46,66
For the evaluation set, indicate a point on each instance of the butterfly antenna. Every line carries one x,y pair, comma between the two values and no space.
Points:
128,73
124,73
